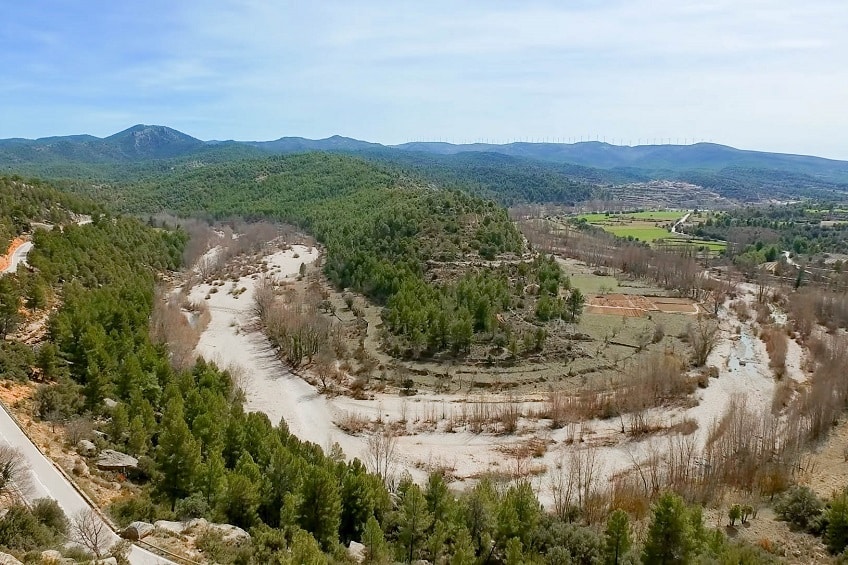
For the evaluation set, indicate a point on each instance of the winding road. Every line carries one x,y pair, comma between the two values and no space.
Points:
18,256
48,482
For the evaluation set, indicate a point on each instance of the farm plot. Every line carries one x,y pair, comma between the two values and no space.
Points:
647,226
636,306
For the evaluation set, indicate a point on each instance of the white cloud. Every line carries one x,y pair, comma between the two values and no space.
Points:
764,74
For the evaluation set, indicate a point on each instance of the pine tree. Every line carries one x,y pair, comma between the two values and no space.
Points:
138,440
413,520
48,361
376,548
96,385
177,455
836,535
9,306
119,423
357,502
321,507
463,549
669,535
212,479
305,550
574,304
514,555
438,496
617,537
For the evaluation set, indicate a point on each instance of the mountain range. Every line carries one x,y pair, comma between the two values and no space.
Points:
718,167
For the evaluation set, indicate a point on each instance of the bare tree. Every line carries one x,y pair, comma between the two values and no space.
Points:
703,336
78,429
263,297
14,473
380,457
563,483
584,464
91,532
718,291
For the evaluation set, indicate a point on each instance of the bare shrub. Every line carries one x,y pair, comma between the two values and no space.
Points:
776,344
783,394
659,333
557,408
78,429
717,293
563,485
654,380
509,413
747,449
353,423
297,329
263,297
627,493
380,456
178,323
742,311
703,337
91,532
584,464
817,408
14,473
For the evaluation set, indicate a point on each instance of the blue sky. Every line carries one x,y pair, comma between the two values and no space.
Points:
756,74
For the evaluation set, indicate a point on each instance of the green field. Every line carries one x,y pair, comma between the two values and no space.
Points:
711,245
650,216
638,230
650,227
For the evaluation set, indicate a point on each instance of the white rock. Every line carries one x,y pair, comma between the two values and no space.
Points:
86,448
6,559
137,531
168,526
356,551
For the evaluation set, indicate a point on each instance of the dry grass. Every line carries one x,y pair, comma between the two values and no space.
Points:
353,423
777,344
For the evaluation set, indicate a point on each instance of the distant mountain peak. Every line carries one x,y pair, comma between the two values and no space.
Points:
152,141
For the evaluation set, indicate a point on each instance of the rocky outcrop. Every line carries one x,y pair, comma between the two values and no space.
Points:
111,460
6,559
86,448
137,531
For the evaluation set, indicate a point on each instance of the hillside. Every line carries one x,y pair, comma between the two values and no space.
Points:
512,174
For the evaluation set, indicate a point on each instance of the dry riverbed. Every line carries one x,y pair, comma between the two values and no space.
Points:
428,434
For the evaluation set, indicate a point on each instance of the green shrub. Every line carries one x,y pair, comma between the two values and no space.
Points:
800,507
21,530
48,512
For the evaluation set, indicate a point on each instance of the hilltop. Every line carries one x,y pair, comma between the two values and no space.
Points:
511,173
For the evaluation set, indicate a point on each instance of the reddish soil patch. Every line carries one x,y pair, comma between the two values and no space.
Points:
4,259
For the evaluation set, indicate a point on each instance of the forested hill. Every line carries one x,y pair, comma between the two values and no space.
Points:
670,158
511,173
22,203
509,180
380,227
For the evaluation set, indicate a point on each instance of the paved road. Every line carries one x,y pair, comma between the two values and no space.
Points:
19,256
47,481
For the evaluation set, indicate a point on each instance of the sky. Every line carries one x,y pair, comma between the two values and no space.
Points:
768,75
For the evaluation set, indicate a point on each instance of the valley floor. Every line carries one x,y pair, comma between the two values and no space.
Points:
427,437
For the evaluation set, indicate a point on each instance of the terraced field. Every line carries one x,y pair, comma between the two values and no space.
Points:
650,226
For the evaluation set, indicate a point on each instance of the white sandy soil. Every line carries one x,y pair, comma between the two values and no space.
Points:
271,388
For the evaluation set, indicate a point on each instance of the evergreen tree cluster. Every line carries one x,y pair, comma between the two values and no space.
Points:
200,454
22,203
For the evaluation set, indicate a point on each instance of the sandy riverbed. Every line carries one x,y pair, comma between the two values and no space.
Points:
232,340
